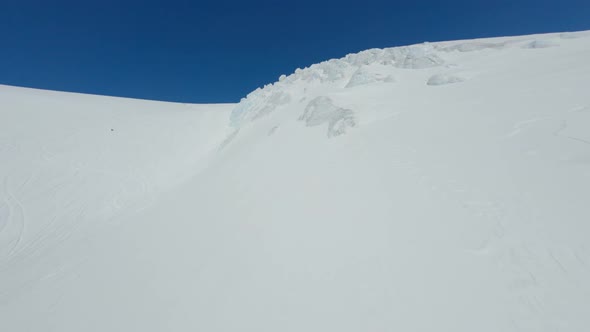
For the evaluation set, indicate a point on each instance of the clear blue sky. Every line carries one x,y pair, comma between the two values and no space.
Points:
218,51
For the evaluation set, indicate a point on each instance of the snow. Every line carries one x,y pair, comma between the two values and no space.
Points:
541,44
310,205
442,79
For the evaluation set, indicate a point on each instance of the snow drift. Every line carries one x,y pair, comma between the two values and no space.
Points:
367,193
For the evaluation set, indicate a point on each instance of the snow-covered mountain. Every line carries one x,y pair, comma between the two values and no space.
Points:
434,187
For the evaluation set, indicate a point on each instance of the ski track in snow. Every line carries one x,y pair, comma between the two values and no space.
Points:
494,246
520,126
513,259
563,127
15,222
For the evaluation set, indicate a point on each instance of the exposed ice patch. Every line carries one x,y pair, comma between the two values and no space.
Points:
419,58
363,76
327,71
442,79
368,57
257,104
540,44
408,57
472,46
322,110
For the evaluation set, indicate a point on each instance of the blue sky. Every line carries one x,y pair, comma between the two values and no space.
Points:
218,51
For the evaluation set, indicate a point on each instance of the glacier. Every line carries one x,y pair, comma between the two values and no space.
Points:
442,186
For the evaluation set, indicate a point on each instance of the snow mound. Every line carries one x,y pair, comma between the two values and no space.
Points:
322,110
540,44
443,79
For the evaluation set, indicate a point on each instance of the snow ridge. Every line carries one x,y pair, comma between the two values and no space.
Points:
371,67
349,71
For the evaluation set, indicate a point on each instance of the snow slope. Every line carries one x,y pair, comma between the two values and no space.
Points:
434,187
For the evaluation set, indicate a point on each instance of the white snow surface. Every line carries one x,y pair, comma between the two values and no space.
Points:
349,196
